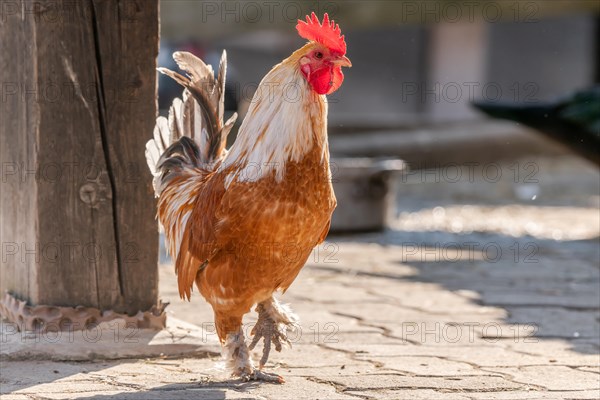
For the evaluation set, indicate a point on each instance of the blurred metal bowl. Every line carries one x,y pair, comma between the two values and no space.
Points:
366,193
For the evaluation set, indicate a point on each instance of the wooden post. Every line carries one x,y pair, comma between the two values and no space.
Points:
77,104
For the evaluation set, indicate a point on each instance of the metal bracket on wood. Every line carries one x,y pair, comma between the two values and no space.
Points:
43,318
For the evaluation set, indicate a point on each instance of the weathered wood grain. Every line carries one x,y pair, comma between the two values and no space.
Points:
89,212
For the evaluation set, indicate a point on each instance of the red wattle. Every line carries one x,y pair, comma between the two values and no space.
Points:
338,78
326,80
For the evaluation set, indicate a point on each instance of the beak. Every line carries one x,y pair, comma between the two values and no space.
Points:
343,62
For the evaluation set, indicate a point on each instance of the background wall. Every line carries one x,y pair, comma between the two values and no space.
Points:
415,63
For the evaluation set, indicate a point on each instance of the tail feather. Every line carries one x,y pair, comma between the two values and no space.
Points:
155,148
221,86
198,116
175,120
181,154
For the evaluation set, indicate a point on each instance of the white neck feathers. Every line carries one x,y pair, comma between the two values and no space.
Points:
285,121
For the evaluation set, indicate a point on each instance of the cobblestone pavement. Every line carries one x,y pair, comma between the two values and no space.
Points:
442,306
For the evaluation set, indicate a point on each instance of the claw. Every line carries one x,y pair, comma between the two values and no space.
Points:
273,322
258,375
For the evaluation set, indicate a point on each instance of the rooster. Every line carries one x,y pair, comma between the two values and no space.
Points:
241,223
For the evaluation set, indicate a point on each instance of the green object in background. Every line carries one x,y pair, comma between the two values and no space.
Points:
573,120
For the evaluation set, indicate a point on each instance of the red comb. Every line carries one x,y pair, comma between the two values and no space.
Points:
328,33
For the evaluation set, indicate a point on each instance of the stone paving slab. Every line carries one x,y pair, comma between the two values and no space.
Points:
395,381
408,394
551,377
573,350
595,369
477,355
107,340
542,298
538,395
559,321
429,366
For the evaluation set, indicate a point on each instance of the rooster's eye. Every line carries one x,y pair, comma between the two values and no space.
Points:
318,55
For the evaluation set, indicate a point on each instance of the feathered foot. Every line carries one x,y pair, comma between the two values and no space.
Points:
239,362
274,320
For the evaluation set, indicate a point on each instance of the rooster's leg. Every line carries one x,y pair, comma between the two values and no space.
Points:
236,354
238,360
274,320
